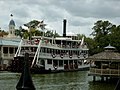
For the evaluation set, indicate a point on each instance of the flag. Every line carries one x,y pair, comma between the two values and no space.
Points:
11,15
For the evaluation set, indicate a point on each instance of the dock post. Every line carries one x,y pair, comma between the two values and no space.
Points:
94,78
25,81
106,79
102,78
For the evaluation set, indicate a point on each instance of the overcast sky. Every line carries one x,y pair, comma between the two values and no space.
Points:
80,14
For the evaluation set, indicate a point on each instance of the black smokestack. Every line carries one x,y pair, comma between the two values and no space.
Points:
64,27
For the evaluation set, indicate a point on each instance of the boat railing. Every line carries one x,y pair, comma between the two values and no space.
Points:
58,56
111,72
32,42
31,53
8,55
28,42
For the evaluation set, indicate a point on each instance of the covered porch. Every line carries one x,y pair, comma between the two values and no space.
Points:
105,64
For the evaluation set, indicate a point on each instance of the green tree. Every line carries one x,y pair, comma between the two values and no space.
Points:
101,33
79,36
115,36
3,33
36,28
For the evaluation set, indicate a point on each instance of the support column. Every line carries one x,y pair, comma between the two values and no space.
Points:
94,78
1,57
102,78
73,64
68,65
106,79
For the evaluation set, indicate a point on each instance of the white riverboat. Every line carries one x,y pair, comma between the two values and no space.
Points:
52,54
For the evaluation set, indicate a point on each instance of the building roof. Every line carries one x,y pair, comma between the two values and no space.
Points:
12,22
109,47
9,42
108,54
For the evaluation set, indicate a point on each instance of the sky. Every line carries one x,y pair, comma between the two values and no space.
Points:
80,14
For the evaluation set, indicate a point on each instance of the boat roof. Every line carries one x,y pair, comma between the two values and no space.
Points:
57,38
63,38
10,42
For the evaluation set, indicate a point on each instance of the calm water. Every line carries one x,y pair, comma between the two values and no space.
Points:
59,81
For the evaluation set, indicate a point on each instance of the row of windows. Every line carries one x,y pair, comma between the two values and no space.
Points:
10,50
60,62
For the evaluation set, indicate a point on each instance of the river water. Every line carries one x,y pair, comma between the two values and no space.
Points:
58,81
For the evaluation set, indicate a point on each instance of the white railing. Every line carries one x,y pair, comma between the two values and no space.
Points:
57,56
31,43
8,55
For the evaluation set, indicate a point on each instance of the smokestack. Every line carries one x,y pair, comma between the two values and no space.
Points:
64,27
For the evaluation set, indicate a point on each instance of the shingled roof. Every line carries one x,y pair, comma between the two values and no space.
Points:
109,54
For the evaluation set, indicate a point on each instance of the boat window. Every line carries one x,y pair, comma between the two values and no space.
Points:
26,48
79,62
55,62
11,50
5,49
48,50
60,62
56,51
35,49
49,61
43,49
66,62
16,49
71,62
82,51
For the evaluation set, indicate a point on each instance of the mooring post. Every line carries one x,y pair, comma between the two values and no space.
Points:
102,78
94,78
25,82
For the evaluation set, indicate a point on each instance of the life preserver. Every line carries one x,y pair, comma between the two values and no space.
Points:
61,55
79,55
36,41
28,42
53,55
70,55
46,41
84,55
55,67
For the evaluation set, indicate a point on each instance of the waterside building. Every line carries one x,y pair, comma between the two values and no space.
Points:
105,64
8,46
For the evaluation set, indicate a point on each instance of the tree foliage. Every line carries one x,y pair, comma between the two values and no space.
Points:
35,28
2,33
105,33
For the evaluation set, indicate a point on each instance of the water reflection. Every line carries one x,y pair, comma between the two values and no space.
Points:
59,81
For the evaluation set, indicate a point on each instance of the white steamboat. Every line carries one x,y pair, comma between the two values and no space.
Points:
53,54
